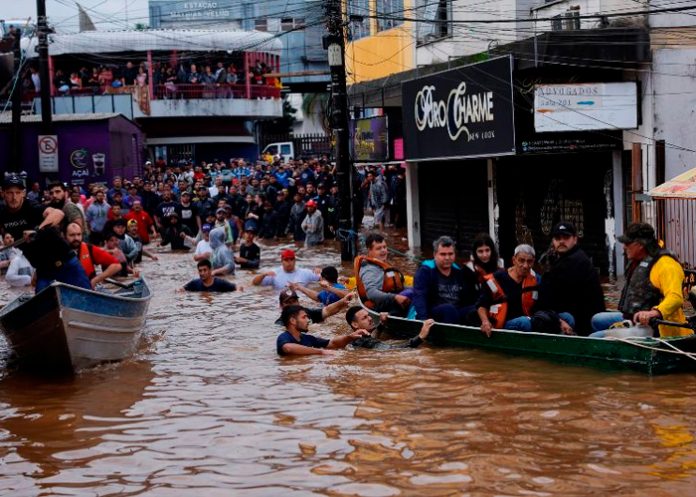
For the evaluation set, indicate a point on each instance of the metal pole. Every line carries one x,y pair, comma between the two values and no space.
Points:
42,49
335,43
16,98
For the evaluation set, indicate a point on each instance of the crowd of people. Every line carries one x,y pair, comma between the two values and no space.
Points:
217,210
109,78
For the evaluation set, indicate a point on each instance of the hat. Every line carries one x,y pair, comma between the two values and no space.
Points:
311,203
148,163
119,222
287,295
174,214
564,228
13,180
642,233
206,227
186,192
321,185
132,222
221,209
287,254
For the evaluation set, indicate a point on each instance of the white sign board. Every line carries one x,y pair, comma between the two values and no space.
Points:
585,106
48,153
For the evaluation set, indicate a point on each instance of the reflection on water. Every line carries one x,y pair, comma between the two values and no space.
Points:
207,407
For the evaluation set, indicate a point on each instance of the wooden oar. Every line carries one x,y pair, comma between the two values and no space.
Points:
17,243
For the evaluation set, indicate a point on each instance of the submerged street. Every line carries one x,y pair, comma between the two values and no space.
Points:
206,407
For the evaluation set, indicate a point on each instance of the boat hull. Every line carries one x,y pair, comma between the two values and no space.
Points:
67,328
646,355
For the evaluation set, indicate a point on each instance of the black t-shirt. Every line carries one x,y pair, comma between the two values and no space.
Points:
164,210
252,253
188,215
219,285
28,217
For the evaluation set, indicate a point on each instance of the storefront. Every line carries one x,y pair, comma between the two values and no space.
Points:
455,122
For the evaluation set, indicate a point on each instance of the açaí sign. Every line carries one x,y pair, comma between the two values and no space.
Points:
463,112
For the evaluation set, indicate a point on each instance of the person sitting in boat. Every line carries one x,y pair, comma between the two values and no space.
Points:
441,289
653,288
287,273
296,340
207,282
570,284
378,283
484,257
91,256
289,297
359,318
509,296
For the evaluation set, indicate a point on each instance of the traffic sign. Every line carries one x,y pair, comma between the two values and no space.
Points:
48,153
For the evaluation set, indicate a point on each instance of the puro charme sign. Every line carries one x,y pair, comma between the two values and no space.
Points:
464,112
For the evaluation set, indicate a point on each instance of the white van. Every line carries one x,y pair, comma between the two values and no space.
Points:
284,150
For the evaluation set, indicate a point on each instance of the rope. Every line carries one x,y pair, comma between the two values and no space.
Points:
676,350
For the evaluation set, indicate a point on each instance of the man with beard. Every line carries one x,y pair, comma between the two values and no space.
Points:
59,197
164,210
571,284
19,215
189,213
91,256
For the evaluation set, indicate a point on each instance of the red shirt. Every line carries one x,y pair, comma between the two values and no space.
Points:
144,223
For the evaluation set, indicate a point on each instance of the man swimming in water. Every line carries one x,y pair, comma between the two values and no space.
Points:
359,319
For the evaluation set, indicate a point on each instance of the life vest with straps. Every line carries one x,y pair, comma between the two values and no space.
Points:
86,257
638,293
393,278
498,311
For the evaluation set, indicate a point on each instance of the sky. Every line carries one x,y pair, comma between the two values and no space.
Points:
62,14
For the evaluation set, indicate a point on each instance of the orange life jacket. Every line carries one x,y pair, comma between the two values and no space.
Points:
87,260
498,311
393,278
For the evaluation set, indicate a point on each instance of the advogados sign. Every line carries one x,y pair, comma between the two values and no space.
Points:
460,113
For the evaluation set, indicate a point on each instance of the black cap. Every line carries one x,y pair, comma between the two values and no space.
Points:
13,180
564,228
642,233
287,295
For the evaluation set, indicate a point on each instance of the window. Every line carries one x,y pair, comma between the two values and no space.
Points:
285,150
286,24
434,16
568,21
358,22
389,14
261,25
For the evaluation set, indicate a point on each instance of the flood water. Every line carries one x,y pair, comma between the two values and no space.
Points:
207,408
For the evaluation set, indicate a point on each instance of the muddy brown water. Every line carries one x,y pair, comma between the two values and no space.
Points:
207,408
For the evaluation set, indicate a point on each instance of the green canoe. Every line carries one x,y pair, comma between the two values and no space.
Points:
648,355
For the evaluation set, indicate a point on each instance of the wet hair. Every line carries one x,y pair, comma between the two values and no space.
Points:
373,238
290,312
350,314
443,241
204,262
330,274
485,240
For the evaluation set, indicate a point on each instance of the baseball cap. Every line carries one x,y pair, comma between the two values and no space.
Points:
642,233
287,254
186,192
220,210
311,203
564,228
132,222
206,227
13,180
287,295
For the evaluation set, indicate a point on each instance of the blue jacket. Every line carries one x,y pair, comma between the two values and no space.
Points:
427,290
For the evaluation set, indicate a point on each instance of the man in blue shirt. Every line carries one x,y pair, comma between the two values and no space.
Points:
208,283
296,341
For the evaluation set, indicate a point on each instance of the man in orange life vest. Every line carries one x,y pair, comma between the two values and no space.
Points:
379,284
508,296
90,256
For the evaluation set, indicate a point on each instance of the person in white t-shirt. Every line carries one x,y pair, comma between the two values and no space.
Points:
203,248
287,273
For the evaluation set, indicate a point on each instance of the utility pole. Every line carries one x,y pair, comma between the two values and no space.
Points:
16,98
335,44
42,49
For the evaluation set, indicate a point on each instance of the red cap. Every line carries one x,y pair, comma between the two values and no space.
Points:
287,254
311,203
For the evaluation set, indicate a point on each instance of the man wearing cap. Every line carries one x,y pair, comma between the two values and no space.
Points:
318,314
146,226
313,225
653,286
287,273
571,283
19,215
203,249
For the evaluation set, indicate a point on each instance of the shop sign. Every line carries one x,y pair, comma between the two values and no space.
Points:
48,153
463,112
370,139
79,162
585,106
